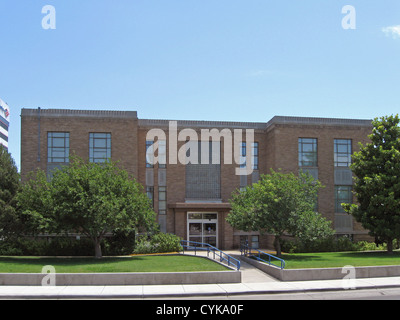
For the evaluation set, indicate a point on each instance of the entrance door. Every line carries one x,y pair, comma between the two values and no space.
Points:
203,227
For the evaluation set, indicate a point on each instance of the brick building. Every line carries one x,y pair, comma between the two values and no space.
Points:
192,200
4,123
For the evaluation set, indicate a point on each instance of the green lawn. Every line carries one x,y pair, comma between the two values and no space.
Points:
339,259
166,263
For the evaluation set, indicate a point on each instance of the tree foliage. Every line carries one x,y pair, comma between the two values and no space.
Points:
9,187
280,204
88,198
377,181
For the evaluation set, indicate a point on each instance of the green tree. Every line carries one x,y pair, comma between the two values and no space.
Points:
89,198
9,187
280,204
377,181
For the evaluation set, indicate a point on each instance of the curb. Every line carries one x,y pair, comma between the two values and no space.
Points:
45,292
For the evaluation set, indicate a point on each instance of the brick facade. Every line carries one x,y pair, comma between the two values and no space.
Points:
277,148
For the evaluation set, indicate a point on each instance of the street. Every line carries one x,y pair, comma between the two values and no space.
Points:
377,294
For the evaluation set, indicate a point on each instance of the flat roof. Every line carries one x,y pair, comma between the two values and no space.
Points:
59,113
282,120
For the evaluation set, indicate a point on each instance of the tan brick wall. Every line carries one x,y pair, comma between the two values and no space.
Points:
123,140
278,149
285,155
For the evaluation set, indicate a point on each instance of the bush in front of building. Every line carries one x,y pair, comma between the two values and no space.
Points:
117,244
57,246
158,243
331,244
120,243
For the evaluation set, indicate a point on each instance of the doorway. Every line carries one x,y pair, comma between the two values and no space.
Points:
203,227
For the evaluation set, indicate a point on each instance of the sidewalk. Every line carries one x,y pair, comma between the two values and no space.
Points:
253,282
175,291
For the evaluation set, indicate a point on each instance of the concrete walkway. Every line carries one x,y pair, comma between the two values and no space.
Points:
250,274
193,291
253,282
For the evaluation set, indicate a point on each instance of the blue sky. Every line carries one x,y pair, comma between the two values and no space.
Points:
201,60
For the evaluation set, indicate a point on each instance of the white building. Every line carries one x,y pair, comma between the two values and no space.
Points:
4,123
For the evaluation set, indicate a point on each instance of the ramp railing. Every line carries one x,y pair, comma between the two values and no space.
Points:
222,256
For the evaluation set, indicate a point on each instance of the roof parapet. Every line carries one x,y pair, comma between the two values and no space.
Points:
56,113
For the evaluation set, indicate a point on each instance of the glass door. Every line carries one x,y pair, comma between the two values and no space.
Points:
203,227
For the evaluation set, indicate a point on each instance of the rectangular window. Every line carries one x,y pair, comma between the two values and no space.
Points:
162,200
308,152
162,153
254,154
99,147
156,149
243,153
255,242
149,154
203,175
343,194
4,137
150,194
342,152
58,147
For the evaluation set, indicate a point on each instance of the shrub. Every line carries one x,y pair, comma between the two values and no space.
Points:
119,244
143,246
369,246
320,245
329,245
57,246
166,242
158,243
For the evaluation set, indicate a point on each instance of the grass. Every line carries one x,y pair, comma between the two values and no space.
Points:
168,263
340,259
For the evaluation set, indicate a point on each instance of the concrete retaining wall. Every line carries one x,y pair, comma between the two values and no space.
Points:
324,274
149,278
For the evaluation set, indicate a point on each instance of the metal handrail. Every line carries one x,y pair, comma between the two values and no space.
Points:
246,251
193,245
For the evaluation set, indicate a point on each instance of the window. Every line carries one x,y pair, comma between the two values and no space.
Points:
342,152
156,149
149,154
308,152
243,153
203,171
162,200
255,242
343,194
99,147
254,155
150,194
57,147
4,137
162,153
